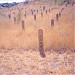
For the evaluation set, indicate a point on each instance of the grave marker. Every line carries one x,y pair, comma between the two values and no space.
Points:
49,10
23,25
59,14
52,22
34,17
68,2
32,13
9,16
46,11
15,19
37,11
57,17
43,7
41,14
40,37
66,5
25,15
72,3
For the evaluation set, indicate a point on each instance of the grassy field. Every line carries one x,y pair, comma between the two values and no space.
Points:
19,48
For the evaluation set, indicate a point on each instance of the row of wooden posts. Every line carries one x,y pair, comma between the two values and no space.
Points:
43,8
40,32
40,35
52,20
35,17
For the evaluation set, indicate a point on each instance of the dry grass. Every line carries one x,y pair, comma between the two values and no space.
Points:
19,54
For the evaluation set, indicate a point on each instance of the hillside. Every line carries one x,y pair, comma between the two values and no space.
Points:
37,39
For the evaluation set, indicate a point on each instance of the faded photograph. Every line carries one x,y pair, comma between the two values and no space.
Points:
37,37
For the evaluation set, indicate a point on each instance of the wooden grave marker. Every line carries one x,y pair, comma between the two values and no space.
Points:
25,15
41,14
23,27
59,14
32,13
46,11
52,22
14,19
57,17
43,7
37,11
9,16
49,10
41,48
34,17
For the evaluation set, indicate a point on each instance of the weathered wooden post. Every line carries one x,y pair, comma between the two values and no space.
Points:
25,15
57,17
41,14
59,14
32,13
66,5
34,17
43,7
14,19
72,3
37,11
68,2
41,49
52,22
46,11
49,10
19,16
23,25
9,16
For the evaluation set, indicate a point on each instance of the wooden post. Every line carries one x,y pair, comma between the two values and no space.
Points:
43,7
59,14
52,22
23,25
37,11
32,13
34,17
57,17
66,5
41,49
41,14
68,2
25,15
49,10
72,3
46,11
14,19
9,16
